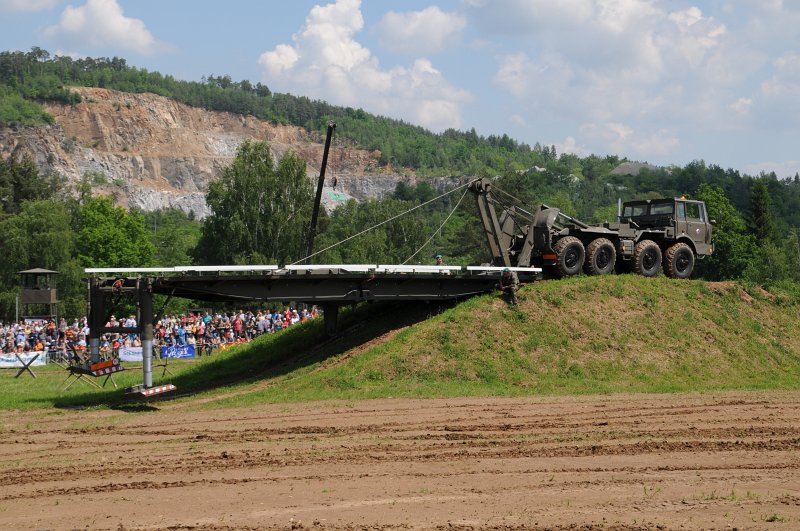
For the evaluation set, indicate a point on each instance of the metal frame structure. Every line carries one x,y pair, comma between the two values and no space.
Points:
328,285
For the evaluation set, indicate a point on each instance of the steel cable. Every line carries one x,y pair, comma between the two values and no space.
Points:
439,229
382,223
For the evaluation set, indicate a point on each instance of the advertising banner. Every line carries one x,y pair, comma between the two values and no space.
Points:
130,354
182,351
10,361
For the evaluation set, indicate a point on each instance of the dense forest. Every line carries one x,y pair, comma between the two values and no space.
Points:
46,223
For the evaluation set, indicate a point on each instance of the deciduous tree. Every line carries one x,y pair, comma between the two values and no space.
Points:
110,236
259,211
734,247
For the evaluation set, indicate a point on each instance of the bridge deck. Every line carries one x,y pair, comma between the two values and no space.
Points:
311,283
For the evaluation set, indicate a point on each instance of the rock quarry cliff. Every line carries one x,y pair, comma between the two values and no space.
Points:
151,152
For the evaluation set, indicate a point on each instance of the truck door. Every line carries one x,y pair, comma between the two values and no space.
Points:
696,222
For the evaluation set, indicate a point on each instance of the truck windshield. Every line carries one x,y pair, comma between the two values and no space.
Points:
634,211
661,209
656,209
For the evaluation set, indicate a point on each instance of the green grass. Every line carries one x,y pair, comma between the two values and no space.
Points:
14,110
585,335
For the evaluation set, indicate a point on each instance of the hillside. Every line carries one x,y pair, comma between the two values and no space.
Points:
152,152
583,335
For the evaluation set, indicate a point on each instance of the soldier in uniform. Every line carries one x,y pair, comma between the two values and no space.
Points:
509,284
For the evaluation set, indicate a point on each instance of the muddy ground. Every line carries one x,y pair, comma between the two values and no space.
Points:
721,461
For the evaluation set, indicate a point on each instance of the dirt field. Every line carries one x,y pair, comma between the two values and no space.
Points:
718,461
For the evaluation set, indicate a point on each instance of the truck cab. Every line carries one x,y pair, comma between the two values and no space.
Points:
687,219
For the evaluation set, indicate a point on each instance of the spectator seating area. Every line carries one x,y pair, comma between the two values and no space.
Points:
207,330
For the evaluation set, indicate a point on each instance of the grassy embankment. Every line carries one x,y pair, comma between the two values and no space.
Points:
578,336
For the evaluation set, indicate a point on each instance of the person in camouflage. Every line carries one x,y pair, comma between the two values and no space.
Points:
509,284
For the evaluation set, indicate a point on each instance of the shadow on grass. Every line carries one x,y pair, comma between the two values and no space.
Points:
271,356
135,408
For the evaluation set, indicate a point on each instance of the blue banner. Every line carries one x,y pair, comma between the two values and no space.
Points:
130,353
182,351
9,361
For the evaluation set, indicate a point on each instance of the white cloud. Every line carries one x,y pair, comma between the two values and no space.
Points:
771,24
662,71
621,16
326,61
101,23
688,17
742,106
280,60
788,66
27,5
420,32
622,138
570,145
526,16
696,35
659,143
541,83
518,119
777,100
514,73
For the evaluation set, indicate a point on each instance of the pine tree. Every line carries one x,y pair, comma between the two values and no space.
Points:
762,223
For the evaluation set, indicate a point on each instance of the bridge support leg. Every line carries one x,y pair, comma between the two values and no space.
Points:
330,311
146,328
96,310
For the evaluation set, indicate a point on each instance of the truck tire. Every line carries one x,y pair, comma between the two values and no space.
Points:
679,261
647,258
571,254
600,257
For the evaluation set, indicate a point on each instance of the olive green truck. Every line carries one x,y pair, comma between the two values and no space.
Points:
648,236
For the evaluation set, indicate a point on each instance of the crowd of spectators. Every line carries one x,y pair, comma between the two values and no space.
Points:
207,330
37,335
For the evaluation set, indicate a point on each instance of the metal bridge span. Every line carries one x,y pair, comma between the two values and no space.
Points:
326,285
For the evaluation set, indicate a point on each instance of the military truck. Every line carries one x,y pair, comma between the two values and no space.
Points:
648,236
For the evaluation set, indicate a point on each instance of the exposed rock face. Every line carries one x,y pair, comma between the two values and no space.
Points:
632,168
151,152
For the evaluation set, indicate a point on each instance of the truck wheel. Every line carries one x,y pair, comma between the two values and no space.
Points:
679,261
647,258
600,257
571,254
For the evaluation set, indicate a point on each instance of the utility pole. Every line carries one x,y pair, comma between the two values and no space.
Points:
312,229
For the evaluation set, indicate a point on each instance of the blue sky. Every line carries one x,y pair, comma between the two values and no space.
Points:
666,82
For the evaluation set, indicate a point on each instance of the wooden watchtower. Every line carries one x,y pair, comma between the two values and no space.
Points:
38,297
